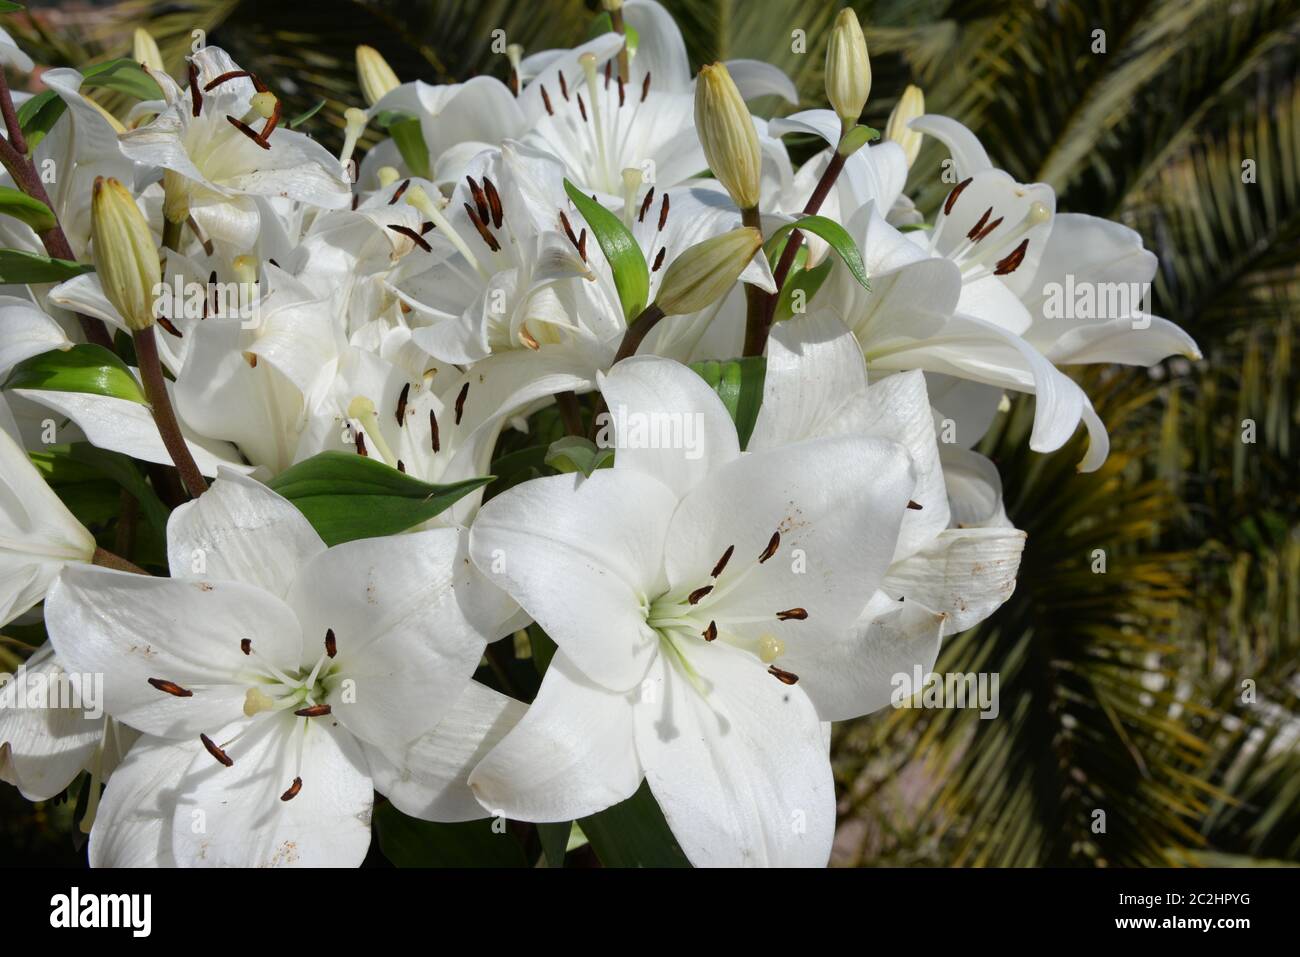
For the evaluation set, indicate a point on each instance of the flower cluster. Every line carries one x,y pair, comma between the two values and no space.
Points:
729,405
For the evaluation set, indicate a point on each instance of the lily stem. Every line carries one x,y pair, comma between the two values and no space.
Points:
155,389
13,155
171,235
756,312
636,332
108,559
756,338
570,411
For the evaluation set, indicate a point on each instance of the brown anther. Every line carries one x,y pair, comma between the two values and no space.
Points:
975,230
401,466
169,326
483,231
412,235
427,227
248,131
914,506
983,234
645,87
314,711
401,404
546,102
663,212
246,645
621,92
785,677
460,401
1013,261
582,107
711,632
433,429
568,230
694,597
582,244
528,339
792,614
331,644
216,752
356,201
514,82
564,86
361,444
251,359
772,545
645,205
258,85
195,94
951,201
294,788
659,259
397,193
494,202
722,562
171,688
480,201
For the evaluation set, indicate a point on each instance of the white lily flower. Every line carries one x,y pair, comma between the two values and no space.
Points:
219,168
691,591
947,578
38,535
281,682
508,268
46,744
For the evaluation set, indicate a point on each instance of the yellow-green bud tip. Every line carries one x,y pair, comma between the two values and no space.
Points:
727,134
910,105
705,273
144,50
375,75
848,68
125,255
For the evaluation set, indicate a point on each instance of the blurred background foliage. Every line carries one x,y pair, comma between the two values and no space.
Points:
1162,691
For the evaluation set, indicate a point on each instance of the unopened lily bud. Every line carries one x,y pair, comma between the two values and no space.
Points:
909,106
126,258
375,75
145,50
705,273
848,68
727,133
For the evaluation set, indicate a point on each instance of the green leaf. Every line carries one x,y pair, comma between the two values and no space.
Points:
407,842
406,133
82,368
555,842
347,496
806,280
739,383
835,235
634,834
603,24
302,118
8,6
18,268
20,206
38,115
62,465
574,453
631,275
125,76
